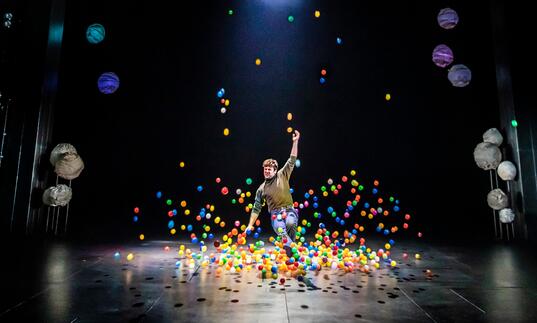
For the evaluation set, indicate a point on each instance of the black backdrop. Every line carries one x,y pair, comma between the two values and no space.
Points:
171,62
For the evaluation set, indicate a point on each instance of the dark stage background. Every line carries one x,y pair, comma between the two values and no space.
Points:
172,61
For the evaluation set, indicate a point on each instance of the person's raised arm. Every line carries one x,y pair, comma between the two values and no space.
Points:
290,164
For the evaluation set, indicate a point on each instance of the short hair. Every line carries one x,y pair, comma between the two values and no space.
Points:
271,162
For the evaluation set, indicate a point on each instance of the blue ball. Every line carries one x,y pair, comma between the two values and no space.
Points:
375,191
386,232
321,225
351,208
95,33
396,208
200,188
221,93
298,163
171,224
339,41
315,205
322,80
342,222
211,235
135,218
258,229
189,227
366,205
256,235
108,83
378,229
307,195
195,240
392,242
315,199
159,194
174,212
330,209
291,190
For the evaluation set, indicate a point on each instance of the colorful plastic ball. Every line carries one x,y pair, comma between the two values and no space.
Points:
226,132
248,181
289,116
298,163
108,83
216,243
322,80
221,93
257,61
339,41
189,227
200,188
223,110
130,257
95,33
135,218
159,194
317,13
290,18
171,224
142,237
218,180
224,190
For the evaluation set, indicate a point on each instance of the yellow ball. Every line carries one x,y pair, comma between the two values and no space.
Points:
130,257
183,227
207,228
226,132
418,256
173,231
289,116
187,212
182,164
142,237
257,61
226,103
393,263
388,96
317,13
353,172
290,129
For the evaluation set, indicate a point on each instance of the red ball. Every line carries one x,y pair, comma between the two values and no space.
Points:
225,190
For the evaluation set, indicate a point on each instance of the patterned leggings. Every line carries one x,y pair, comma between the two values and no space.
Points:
285,226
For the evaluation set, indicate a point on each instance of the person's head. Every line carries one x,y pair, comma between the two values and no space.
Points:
270,167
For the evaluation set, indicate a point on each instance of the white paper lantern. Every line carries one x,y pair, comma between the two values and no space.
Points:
69,166
497,199
493,136
507,170
487,156
507,215
59,150
59,195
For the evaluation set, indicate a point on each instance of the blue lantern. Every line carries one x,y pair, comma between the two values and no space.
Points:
108,83
459,75
447,18
95,33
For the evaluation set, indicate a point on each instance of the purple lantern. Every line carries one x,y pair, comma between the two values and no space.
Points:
442,55
447,18
459,75
108,83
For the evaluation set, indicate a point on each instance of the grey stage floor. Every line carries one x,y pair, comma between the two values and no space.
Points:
61,282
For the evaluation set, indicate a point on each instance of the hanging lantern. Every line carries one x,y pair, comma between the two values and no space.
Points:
459,75
447,18
442,55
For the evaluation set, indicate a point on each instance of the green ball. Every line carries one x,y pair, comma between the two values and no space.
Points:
514,123
169,202
230,12
291,18
249,181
